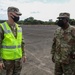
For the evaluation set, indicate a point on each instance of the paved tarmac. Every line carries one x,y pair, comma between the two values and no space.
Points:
38,41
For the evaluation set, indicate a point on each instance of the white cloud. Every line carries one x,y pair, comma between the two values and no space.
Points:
38,9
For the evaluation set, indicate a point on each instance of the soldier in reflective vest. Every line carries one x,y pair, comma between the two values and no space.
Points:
11,43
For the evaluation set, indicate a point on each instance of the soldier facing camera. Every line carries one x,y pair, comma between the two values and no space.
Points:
63,46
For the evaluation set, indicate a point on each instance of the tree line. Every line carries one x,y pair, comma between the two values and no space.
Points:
32,21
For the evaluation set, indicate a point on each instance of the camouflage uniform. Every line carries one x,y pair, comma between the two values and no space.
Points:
63,46
12,67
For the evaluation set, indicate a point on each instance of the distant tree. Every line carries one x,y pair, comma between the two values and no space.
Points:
72,21
20,22
1,21
29,20
32,21
50,20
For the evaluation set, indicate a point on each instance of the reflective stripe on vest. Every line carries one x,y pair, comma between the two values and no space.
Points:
8,31
11,46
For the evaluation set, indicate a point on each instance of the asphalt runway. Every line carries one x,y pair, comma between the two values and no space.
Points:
38,41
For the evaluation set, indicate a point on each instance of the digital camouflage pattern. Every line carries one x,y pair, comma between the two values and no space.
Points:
12,67
63,50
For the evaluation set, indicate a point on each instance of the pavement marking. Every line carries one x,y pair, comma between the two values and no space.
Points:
41,68
41,63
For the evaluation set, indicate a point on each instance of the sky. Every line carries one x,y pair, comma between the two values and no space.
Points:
39,9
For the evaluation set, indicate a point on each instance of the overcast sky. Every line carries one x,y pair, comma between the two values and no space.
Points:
39,9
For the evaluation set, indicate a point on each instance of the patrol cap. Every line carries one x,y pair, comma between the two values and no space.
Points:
64,15
14,9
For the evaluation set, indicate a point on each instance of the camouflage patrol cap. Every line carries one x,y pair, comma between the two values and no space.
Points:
14,9
64,15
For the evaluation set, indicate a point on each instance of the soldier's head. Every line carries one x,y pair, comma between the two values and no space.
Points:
63,19
13,13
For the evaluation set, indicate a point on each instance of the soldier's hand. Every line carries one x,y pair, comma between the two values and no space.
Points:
24,59
12,14
53,58
1,65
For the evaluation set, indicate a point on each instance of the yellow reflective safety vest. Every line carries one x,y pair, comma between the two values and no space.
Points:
11,46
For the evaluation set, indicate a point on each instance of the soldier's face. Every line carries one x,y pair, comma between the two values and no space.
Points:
62,22
15,17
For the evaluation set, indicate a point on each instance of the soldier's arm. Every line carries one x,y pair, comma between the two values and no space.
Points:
23,44
1,38
72,40
73,32
23,51
72,43
53,49
23,47
53,46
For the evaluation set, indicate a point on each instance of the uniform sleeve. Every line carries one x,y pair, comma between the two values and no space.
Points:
23,47
72,44
72,40
53,46
53,49
73,32
23,44
1,38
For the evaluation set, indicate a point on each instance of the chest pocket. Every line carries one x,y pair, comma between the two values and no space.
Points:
66,36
